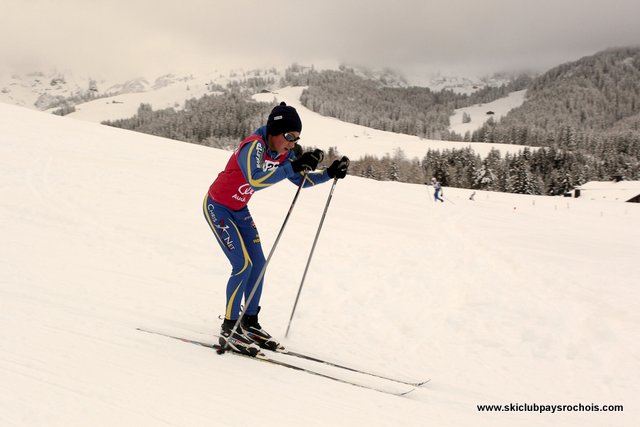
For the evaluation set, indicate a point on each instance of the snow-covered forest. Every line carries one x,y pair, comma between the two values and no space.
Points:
584,114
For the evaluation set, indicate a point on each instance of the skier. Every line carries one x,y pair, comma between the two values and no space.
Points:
261,160
437,190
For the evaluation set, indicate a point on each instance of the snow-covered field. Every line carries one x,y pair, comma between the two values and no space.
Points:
478,113
505,299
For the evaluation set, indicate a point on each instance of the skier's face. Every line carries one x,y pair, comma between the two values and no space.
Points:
284,142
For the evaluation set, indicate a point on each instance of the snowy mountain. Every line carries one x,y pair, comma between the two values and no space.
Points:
97,100
41,90
464,84
323,132
49,89
45,90
505,300
435,80
167,91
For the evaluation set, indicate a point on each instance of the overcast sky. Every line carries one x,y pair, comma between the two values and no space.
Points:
150,37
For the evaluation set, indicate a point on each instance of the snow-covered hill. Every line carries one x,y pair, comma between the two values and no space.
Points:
353,140
505,299
171,91
480,113
357,141
46,90
42,89
466,84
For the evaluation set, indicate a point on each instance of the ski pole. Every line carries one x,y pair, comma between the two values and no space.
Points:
264,267
313,247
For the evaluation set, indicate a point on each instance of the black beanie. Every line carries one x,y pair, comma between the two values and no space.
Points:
283,118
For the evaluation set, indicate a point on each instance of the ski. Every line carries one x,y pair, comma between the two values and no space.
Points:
347,368
262,357
336,365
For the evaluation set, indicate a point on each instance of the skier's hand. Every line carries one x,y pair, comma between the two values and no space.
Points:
338,168
308,161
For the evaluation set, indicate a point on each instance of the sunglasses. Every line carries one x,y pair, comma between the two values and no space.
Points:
291,137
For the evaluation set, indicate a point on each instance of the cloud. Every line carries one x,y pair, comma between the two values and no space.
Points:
144,36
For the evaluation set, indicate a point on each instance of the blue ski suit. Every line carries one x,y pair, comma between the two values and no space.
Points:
437,191
254,166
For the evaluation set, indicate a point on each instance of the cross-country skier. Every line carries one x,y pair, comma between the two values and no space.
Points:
437,190
261,160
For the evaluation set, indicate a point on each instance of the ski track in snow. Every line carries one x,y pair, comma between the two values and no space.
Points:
506,299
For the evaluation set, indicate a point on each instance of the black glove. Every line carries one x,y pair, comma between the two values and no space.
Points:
308,161
338,168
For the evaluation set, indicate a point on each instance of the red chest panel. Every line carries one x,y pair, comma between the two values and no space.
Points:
231,187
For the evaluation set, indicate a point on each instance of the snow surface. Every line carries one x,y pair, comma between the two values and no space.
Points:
478,112
505,299
126,105
610,191
25,89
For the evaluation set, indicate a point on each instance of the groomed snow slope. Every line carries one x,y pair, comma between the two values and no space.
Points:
508,299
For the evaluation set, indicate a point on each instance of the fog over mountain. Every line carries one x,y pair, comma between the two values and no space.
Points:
149,38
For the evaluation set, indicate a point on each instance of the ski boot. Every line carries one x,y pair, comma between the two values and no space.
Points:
261,337
238,341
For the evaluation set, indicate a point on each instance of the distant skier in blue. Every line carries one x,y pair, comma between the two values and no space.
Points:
437,190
